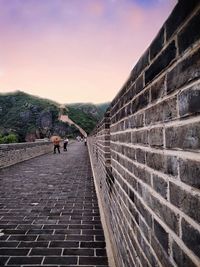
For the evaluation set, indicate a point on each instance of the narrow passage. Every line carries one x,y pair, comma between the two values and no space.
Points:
49,214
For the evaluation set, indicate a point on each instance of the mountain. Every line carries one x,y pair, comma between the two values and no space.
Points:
86,115
28,117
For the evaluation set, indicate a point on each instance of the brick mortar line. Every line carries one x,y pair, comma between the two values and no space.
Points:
174,35
141,232
164,202
122,231
192,190
125,240
103,152
170,243
177,122
185,23
42,260
159,100
119,207
100,146
109,246
182,154
181,58
154,104
166,227
116,241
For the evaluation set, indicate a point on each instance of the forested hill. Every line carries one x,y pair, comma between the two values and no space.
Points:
27,117
86,115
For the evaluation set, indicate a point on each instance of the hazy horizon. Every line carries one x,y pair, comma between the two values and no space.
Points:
45,98
75,52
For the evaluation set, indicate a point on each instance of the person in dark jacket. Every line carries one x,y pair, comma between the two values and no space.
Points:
66,141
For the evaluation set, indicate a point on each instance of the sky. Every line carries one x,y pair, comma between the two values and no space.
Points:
75,50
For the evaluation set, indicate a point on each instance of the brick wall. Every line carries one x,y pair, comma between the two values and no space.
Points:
145,152
13,153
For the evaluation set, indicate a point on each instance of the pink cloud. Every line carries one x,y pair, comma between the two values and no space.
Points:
87,62
96,8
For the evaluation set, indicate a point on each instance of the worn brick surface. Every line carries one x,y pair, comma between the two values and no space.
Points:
49,212
150,195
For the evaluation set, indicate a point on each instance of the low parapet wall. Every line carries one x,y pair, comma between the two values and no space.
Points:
13,153
145,153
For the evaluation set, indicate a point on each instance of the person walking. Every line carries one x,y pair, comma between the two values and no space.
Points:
65,144
56,143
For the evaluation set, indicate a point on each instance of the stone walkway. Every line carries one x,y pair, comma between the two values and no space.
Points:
49,214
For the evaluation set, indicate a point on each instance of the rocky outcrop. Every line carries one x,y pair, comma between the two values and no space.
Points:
31,118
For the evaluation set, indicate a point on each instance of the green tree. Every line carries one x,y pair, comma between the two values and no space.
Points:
11,138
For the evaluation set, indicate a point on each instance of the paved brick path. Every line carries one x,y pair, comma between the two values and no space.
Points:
49,214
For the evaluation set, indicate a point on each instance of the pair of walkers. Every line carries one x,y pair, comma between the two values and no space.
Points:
56,143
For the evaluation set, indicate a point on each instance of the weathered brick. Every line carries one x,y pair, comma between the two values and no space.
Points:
190,172
180,257
162,112
140,155
64,244
140,102
179,15
33,244
140,137
141,65
129,152
79,252
161,235
22,237
143,211
93,260
136,121
142,174
190,33
156,137
144,228
164,60
130,179
189,100
185,201
13,252
160,252
60,260
155,161
101,252
3,260
24,260
165,213
184,137
183,73
191,237
45,252
92,245
157,44
139,84
135,214
147,250
5,244
171,165
158,89
160,185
